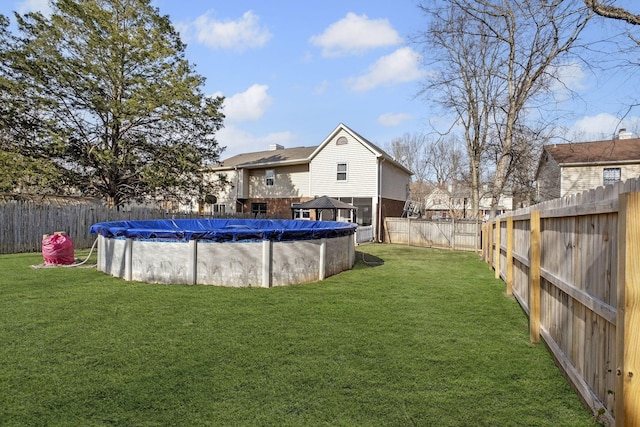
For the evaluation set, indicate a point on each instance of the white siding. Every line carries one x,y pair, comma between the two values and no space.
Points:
290,181
225,194
361,164
395,182
576,179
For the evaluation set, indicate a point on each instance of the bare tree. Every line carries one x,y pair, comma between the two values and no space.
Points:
610,11
463,80
435,162
444,160
500,56
533,35
523,162
409,150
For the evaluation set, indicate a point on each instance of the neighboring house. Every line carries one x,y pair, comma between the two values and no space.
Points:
505,204
456,202
572,168
443,203
345,166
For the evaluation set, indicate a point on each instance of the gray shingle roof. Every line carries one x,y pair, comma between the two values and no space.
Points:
324,202
260,158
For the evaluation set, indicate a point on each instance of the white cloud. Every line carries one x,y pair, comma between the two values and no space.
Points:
246,106
569,77
393,119
355,34
399,67
321,88
240,34
27,6
184,29
601,126
238,141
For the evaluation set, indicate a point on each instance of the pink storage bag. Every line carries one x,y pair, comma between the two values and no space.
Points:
57,249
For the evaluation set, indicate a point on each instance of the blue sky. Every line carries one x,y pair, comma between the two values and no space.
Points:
292,70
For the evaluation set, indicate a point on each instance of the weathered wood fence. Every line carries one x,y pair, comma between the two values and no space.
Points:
22,223
573,264
458,235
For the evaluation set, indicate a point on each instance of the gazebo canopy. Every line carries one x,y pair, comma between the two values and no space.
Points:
324,202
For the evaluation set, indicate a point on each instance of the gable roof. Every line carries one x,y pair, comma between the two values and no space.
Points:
377,151
609,151
298,155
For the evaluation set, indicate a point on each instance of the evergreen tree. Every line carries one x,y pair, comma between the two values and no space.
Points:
105,91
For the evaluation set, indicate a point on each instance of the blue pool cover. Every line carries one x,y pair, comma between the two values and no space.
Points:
223,230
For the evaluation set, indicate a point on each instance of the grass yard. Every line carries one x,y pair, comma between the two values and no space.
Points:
426,339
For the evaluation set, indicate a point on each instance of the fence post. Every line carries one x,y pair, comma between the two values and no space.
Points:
509,256
453,232
193,262
534,278
498,242
484,242
627,410
490,243
128,259
322,259
267,264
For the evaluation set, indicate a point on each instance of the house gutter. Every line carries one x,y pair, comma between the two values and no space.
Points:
601,163
380,162
235,168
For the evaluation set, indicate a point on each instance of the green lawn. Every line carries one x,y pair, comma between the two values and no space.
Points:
426,339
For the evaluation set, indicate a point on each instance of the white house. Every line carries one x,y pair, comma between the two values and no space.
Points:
345,166
456,202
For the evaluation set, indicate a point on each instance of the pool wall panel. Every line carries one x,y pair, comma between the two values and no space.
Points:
160,262
235,264
295,262
229,264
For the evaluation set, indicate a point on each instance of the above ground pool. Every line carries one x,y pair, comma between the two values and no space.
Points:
225,252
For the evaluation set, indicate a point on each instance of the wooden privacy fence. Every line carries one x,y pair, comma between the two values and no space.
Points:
22,223
459,235
573,264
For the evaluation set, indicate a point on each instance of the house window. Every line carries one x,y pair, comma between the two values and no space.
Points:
269,177
258,209
218,208
342,172
341,141
302,214
611,175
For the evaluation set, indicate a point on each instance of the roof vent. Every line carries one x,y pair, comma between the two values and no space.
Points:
274,147
623,134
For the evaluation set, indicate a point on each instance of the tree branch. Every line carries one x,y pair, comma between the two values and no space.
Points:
612,12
